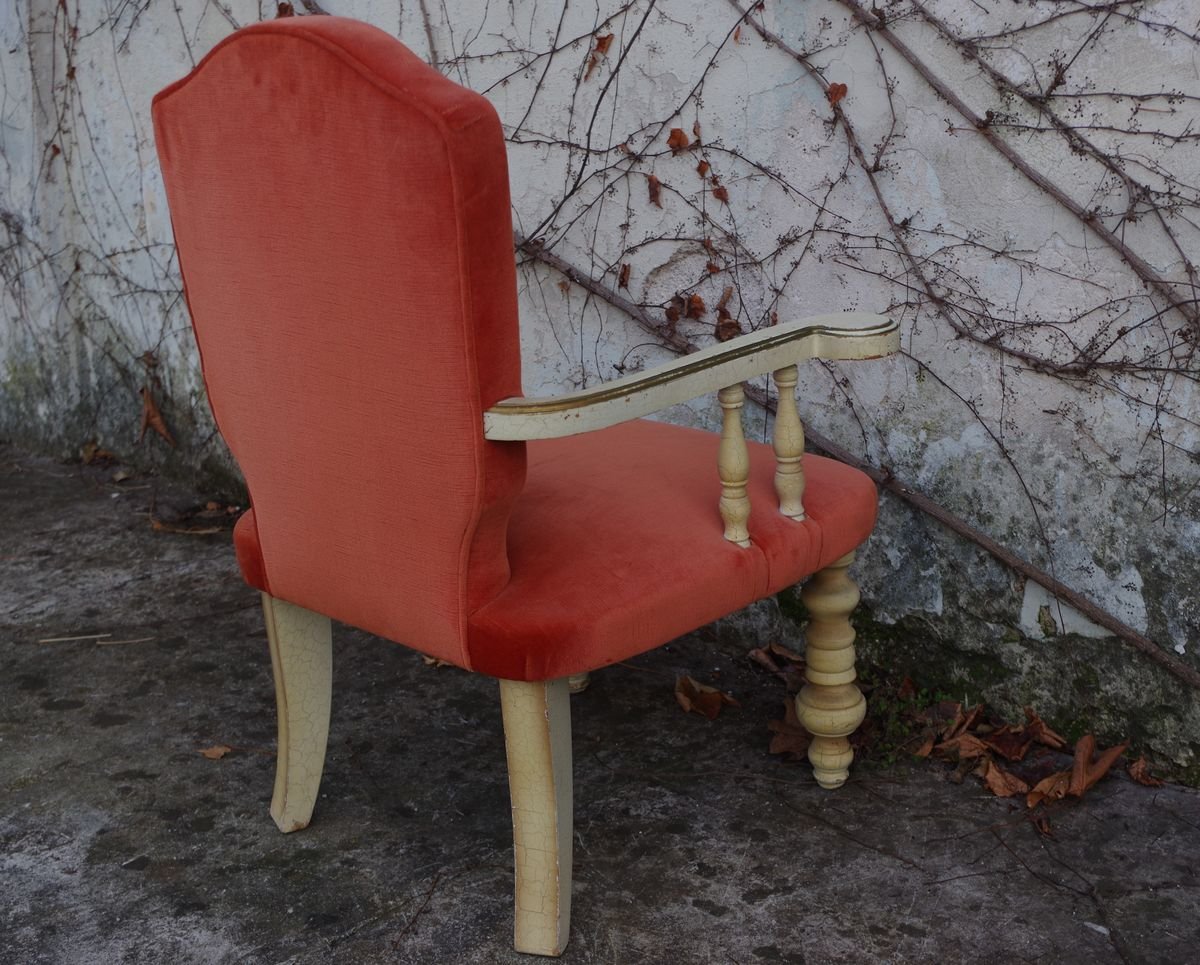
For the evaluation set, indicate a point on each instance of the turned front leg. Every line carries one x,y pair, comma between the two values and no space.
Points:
733,464
789,446
830,706
537,735
302,660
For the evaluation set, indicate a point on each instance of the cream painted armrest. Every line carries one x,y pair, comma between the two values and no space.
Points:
849,335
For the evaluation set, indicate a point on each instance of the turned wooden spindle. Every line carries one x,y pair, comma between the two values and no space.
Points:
789,446
830,706
733,464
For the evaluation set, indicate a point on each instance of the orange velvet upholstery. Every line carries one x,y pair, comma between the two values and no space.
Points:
342,218
616,547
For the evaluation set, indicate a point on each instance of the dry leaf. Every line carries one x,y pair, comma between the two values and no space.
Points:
761,656
701,698
721,194
999,781
284,10
1085,747
434,661
152,418
675,309
1040,732
964,747
159,526
1139,771
712,267
1050,788
598,52
1103,764
678,141
696,130
1043,826
91,454
737,34
1010,744
727,327
836,92
702,168
790,736
623,276
655,187
216,752
695,306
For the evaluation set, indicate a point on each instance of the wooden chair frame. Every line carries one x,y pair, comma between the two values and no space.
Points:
537,718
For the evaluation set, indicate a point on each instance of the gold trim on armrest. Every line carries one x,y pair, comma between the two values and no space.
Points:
850,335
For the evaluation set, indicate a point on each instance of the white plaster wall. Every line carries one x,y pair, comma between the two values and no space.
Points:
1094,478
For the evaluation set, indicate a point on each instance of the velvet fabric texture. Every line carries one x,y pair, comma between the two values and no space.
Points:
342,217
341,213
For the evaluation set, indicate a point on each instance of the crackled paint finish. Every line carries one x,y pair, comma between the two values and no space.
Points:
302,659
831,706
537,734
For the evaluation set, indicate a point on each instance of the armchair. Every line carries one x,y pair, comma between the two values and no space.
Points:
342,219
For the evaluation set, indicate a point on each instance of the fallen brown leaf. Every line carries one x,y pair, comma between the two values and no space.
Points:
1041,732
695,306
721,194
1050,788
701,698
91,454
623,276
763,657
1010,744
963,747
1092,771
1139,771
836,92
159,526
216,752
678,140
790,736
999,781
702,168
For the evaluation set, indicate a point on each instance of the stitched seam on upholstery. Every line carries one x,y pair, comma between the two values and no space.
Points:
445,129
464,287
332,47
262,557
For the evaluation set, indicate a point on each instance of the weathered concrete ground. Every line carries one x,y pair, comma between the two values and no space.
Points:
119,842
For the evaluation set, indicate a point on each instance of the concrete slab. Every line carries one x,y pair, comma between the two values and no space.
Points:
120,842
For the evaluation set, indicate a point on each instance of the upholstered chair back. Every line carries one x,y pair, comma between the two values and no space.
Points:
342,219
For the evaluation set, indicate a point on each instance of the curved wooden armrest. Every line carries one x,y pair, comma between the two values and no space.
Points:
848,335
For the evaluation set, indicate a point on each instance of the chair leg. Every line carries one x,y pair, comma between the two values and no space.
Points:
537,735
830,706
302,659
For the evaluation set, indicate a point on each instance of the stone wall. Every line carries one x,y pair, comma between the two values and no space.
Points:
1018,184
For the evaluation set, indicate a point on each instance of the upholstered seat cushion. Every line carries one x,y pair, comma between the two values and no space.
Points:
616,547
